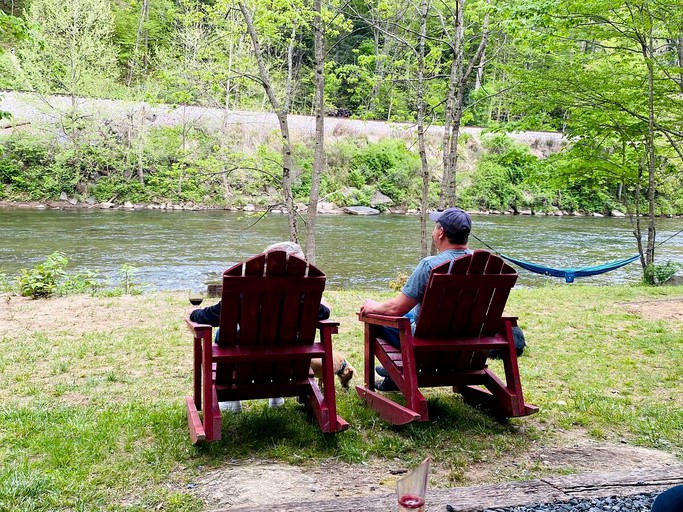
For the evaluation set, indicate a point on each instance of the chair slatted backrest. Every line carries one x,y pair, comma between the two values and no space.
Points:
270,300
464,299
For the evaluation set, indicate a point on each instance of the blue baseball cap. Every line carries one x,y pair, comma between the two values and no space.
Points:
452,220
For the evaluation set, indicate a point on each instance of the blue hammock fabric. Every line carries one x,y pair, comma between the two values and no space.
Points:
570,273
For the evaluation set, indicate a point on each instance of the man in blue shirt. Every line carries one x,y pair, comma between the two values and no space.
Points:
451,233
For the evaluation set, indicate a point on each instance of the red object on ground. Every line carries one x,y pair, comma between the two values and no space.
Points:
461,319
268,329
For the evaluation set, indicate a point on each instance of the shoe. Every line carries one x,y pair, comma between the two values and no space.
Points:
233,407
386,385
381,371
274,403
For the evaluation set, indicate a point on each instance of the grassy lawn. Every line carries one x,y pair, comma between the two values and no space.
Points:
92,409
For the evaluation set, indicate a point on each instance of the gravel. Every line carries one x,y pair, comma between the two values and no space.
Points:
634,503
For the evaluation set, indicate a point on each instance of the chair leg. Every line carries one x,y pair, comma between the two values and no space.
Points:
212,414
369,370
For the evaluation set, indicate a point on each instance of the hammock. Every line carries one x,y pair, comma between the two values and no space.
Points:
570,273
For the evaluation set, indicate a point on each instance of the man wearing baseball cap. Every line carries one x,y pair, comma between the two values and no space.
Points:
450,235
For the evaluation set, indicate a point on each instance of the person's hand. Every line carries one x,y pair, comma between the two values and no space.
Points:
369,306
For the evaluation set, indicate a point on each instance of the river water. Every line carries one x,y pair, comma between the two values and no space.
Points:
179,249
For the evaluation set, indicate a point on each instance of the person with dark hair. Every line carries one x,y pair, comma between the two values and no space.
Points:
450,235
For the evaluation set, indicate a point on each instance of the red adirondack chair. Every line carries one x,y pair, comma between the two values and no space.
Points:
267,338
461,319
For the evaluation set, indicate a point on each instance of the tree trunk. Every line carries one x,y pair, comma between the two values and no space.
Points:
319,153
424,200
457,47
480,72
139,35
459,78
141,147
651,166
282,116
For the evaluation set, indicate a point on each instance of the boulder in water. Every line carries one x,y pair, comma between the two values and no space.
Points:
361,210
379,199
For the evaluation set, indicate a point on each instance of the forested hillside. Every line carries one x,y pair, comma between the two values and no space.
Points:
608,74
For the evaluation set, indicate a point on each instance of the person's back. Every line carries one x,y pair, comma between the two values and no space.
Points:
450,235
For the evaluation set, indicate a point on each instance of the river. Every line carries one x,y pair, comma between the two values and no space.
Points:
176,250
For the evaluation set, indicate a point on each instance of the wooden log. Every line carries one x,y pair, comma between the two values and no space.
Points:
477,498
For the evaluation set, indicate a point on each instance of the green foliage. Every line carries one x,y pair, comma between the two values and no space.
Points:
127,273
656,274
399,281
71,49
43,280
389,166
50,278
499,182
5,284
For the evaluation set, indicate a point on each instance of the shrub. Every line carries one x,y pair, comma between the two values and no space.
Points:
43,279
655,275
390,167
49,278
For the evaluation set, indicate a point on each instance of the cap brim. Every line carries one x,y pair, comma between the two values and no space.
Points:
435,216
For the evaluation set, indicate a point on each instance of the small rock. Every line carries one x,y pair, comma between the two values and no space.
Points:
617,213
249,208
596,214
63,197
73,201
674,281
128,205
91,200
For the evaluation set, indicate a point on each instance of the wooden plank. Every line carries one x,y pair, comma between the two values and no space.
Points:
197,433
387,409
249,353
511,494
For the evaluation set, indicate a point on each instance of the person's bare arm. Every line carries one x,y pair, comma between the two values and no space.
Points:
398,306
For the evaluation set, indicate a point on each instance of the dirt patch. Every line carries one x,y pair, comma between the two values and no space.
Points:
250,483
79,314
670,310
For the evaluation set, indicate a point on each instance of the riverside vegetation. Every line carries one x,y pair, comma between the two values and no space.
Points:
497,174
92,412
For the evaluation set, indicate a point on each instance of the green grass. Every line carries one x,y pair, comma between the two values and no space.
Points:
94,419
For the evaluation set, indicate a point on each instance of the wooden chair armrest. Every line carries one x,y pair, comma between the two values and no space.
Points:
512,319
328,326
322,323
197,329
399,322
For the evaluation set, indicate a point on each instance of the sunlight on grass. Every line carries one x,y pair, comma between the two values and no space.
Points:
95,419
